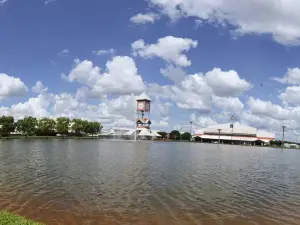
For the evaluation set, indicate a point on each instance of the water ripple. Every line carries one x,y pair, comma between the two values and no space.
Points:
103,182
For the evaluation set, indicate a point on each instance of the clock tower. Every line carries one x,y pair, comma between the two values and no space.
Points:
143,106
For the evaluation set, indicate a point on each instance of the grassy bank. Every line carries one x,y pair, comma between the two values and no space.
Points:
11,219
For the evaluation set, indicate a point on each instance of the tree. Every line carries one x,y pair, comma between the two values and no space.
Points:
186,136
175,135
277,143
93,128
163,134
85,125
7,125
62,125
27,126
77,126
46,126
198,139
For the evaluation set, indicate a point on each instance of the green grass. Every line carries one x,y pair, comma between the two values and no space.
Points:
11,219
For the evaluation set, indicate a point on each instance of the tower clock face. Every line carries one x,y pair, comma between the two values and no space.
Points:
140,105
147,107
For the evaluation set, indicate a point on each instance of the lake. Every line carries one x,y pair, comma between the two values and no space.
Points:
116,182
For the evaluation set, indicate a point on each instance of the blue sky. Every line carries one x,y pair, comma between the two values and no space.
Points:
57,44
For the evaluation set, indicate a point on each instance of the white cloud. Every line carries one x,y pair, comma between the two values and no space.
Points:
49,1
197,91
37,107
121,77
144,18
39,87
291,95
105,52
229,104
184,95
261,122
279,18
11,87
64,52
291,77
85,73
171,49
2,2
268,109
226,83
108,112
202,121
175,74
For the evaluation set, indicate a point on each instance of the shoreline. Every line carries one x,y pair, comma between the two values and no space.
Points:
17,137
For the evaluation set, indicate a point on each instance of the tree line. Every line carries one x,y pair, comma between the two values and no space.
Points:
176,135
31,126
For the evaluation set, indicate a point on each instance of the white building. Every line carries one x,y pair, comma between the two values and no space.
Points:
233,133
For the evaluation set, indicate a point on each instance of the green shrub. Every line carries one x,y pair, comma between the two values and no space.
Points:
11,219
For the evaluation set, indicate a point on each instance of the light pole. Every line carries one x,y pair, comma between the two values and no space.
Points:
283,128
180,133
191,130
219,135
231,126
297,139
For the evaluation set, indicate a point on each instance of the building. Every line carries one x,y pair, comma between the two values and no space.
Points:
235,133
143,123
143,103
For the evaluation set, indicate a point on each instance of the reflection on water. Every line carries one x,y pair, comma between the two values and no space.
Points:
106,182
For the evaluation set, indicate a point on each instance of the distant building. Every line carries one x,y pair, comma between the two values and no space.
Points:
234,133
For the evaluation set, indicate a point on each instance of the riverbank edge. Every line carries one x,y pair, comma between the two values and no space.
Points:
105,138
12,219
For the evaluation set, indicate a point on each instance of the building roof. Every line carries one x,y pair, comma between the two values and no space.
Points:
145,132
155,133
226,129
143,96
129,133
239,131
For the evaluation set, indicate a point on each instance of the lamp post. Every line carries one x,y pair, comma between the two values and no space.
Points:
283,128
297,139
180,133
219,135
191,130
231,126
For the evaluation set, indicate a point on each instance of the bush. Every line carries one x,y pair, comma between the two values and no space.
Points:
10,219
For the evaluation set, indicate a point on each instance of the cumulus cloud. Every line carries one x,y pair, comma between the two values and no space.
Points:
278,18
292,76
175,74
144,18
37,106
291,95
202,121
201,91
226,83
171,49
228,104
184,94
39,87
268,109
121,77
51,105
11,86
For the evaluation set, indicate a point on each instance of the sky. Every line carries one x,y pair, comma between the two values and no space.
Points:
200,61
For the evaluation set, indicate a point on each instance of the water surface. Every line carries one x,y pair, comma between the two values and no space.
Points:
112,182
